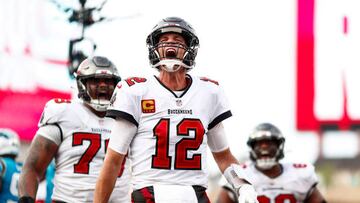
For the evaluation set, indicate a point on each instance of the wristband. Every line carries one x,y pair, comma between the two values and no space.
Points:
235,176
26,199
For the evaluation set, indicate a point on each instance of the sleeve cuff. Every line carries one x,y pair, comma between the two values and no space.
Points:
220,118
120,114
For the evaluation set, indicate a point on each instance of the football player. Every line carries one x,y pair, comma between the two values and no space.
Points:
9,168
273,181
167,121
76,133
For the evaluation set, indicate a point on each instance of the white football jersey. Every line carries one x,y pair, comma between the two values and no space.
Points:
82,147
292,186
170,144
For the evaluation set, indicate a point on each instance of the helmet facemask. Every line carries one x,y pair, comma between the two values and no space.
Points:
266,146
96,80
266,157
266,164
173,62
172,56
98,92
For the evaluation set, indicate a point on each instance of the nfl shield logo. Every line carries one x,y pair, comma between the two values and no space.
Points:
178,102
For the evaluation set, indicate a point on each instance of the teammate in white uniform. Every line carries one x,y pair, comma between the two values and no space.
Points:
167,121
76,133
273,181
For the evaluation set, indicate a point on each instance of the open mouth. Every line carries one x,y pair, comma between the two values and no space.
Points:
265,154
170,53
265,157
102,96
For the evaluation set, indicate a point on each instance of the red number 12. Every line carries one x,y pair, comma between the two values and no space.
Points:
161,158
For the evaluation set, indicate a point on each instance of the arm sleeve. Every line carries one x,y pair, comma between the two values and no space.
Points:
51,132
121,136
53,113
217,138
49,125
125,104
221,108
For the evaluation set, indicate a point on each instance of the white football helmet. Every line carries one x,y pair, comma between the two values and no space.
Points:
9,142
266,158
96,67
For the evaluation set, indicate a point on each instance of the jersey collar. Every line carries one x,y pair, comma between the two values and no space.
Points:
188,78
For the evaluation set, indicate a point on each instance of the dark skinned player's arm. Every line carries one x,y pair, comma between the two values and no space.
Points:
40,154
224,196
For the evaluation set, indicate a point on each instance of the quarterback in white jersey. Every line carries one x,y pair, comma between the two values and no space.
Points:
275,182
167,122
171,143
76,133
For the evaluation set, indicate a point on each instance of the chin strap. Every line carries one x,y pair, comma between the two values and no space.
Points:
100,105
171,65
266,163
26,199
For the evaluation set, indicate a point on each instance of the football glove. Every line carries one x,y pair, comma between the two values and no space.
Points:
247,194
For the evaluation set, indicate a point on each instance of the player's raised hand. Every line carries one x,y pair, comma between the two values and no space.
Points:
247,194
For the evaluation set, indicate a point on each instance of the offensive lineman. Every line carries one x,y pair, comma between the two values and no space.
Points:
76,134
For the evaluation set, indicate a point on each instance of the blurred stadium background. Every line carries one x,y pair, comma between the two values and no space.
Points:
294,63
